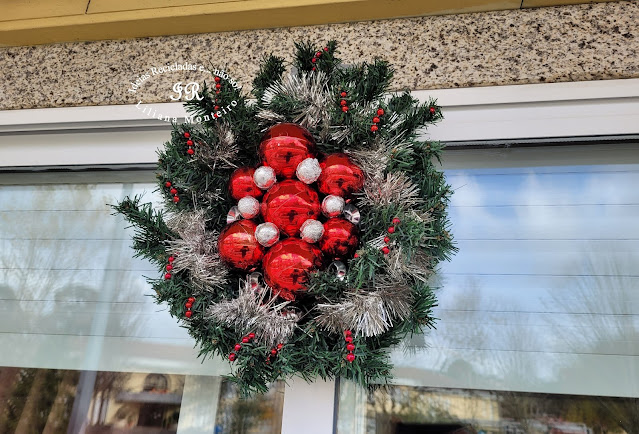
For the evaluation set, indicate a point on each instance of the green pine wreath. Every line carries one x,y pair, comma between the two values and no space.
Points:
344,322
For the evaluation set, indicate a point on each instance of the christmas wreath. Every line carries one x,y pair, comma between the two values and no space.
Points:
300,228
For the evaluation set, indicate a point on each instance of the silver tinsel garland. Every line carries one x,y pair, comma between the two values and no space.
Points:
271,322
396,189
196,250
367,313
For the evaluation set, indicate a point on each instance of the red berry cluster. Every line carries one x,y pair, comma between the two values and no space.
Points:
169,267
173,191
350,346
391,230
274,352
189,142
218,85
343,102
376,119
188,305
245,340
317,56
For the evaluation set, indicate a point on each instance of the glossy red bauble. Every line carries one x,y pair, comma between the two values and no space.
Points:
238,247
350,357
242,185
287,264
284,146
288,204
340,176
340,239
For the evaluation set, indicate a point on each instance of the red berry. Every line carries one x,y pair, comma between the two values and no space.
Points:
314,59
217,79
385,250
188,305
374,128
343,102
169,267
188,313
313,69
216,108
167,276
245,340
218,86
167,184
387,240
343,94
391,230
350,357
344,109
187,135
376,119
280,346
189,142
217,92
232,357
173,191
171,259
190,151
238,347
349,339
380,112
350,347
318,54
325,48
355,255
176,199
396,221
251,335
274,352
432,110
191,299
348,333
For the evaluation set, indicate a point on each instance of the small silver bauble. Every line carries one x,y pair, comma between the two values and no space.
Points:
267,234
264,177
311,231
338,268
332,206
308,171
351,213
249,207
254,280
233,215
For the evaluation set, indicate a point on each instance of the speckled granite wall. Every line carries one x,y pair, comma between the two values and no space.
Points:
571,43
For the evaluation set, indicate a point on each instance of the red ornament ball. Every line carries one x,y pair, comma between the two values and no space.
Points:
350,357
340,238
251,335
432,110
348,333
340,176
167,184
343,94
350,347
376,119
385,250
218,86
238,246
188,305
274,352
284,146
188,313
391,230
387,240
190,151
217,79
232,357
173,191
287,264
167,276
349,339
396,221
189,142
342,102
191,299
187,135
374,128
380,112
288,204
344,109
169,267
245,340
176,199
237,347
171,259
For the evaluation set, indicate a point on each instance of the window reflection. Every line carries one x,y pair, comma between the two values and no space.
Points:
405,409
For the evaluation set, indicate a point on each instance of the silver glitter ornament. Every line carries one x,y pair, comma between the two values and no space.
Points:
308,171
249,207
351,213
267,234
332,206
339,269
233,215
311,230
264,177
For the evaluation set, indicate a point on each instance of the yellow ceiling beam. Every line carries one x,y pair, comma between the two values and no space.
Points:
48,21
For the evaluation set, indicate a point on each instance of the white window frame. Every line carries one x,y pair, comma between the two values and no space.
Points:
123,136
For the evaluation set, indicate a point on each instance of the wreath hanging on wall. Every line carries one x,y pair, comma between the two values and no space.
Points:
300,228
